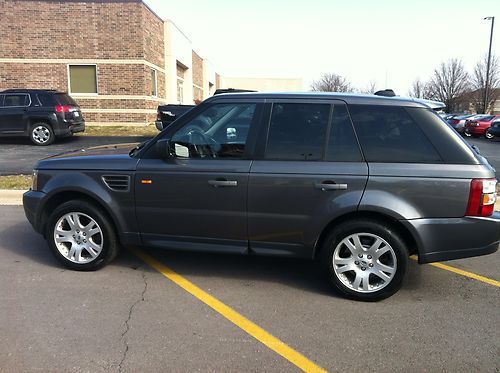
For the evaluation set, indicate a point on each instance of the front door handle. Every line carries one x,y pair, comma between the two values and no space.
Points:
223,183
330,185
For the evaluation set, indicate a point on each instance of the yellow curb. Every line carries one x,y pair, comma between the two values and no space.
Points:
11,197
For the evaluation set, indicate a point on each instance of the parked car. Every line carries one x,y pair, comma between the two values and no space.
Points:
481,126
41,114
166,114
494,130
458,122
357,182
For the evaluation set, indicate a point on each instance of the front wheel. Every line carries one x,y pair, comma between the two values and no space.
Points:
42,134
365,260
81,236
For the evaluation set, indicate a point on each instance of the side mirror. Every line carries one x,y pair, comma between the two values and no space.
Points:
167,148
163,148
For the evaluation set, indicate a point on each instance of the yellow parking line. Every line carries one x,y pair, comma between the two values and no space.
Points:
242,322
463,273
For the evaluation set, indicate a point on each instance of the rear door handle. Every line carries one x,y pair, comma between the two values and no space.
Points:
330,185
223,183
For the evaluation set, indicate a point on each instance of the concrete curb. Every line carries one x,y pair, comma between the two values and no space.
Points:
10,197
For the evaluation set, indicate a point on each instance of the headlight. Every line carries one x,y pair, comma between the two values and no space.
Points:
34,180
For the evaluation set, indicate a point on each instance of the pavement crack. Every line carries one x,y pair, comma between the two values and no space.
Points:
127,322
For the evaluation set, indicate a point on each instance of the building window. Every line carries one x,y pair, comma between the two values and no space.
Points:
154,83
180,90
82,79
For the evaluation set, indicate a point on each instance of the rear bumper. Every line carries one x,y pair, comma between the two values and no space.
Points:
67,130
455,238
475,130
159,125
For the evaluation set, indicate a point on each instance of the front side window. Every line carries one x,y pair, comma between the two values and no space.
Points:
83,79
16,100
220,131
389,134
297,131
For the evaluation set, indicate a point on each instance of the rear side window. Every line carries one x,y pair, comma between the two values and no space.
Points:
389,134
297,131
64,99
46,100
16,100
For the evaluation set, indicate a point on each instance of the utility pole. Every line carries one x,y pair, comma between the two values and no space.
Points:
486,87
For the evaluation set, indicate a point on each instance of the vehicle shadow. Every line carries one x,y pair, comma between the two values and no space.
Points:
248,270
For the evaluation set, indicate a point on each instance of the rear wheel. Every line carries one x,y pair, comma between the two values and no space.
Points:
488,134
365,260
81,236
42,134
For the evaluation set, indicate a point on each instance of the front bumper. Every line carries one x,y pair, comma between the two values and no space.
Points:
32,202
455,238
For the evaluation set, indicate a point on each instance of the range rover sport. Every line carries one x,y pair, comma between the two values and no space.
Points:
357,182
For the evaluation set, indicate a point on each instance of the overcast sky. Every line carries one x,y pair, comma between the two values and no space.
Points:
385,41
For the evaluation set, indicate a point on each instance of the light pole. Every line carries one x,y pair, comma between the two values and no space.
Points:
488,66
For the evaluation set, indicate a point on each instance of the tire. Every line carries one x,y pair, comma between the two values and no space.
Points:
365,278
86,246
41,134
488,134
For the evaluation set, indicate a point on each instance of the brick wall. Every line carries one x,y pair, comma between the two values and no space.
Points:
197,70
90,29
116,30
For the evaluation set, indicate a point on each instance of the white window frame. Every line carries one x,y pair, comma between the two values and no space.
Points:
156,83
96,79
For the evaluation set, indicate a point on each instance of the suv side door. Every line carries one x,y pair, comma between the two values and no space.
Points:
13,113
309,170
196,197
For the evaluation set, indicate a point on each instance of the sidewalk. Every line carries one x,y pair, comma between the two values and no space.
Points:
15,197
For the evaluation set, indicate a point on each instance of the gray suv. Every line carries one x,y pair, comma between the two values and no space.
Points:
357,182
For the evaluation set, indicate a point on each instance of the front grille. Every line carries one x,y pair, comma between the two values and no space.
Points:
118,183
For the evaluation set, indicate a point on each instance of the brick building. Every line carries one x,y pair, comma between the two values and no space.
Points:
116,58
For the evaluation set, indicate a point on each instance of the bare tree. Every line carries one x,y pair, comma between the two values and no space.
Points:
417,89
479,84
331,83
370,89
449,82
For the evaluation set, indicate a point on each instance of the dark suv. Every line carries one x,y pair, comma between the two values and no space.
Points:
357,182
40,114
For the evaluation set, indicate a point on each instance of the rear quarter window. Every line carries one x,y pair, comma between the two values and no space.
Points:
65,99
389,134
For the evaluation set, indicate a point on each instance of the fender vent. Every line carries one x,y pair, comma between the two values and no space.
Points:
118,183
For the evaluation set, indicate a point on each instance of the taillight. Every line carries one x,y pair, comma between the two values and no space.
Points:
158,115
482,197
455,121
63,108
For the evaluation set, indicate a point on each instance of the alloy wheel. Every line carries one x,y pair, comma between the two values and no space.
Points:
41,134
364,262
78,237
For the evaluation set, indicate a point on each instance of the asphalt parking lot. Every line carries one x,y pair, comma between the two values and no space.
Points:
19,155
129,317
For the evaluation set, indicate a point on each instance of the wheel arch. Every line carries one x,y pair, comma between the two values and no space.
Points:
405,233
67,195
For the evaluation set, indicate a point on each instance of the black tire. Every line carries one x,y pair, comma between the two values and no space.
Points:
41,134
106,237
371,228
488,135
